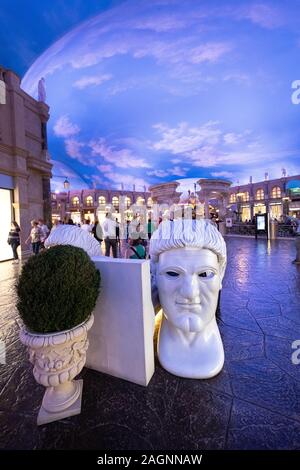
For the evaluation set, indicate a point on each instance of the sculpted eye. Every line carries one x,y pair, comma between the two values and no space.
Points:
207,274
172,274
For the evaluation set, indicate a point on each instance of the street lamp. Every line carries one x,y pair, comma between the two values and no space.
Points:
66,181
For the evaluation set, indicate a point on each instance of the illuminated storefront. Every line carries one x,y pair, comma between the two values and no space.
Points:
275,210
76,217
246,213
259,209
6,215
294,197
88,215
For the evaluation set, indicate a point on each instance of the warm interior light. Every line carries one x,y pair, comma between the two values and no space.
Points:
5,211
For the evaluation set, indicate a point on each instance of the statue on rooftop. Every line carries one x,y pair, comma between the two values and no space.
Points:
42,90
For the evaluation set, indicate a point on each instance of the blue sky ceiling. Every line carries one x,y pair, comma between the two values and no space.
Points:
147,92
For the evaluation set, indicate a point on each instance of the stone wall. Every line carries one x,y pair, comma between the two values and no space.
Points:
23,154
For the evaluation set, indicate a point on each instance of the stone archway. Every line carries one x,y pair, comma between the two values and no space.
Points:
214,189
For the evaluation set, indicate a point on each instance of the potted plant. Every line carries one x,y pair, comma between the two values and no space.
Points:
57,292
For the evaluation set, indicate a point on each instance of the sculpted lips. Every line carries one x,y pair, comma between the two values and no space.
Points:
189,305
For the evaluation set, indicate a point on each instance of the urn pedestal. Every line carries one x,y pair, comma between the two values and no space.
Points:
57,359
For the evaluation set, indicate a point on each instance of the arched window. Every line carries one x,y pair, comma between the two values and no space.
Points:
232,198
75,201
127,201
89,200
115,201
276,192
149,201
259,195
101,200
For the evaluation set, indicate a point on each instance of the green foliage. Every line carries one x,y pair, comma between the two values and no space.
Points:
57,289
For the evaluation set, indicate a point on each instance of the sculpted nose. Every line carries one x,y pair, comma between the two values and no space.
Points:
190,289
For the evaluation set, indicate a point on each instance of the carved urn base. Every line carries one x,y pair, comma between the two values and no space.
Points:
59,404
57,359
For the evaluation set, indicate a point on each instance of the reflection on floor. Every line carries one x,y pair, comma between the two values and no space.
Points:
254,403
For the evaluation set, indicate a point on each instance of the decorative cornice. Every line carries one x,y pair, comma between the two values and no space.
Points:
12,150
39,165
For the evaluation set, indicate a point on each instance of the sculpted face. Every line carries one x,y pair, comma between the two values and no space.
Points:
188,284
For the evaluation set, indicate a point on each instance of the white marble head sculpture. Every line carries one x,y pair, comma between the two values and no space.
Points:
188,260
75,236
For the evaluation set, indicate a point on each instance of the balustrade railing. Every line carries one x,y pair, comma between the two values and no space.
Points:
249,230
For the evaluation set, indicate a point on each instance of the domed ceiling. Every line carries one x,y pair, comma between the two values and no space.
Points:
149,92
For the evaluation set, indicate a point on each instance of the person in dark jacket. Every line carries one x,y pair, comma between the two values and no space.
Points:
14,239
97,231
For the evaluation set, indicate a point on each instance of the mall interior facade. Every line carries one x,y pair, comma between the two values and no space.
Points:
280,198
25,169
25,174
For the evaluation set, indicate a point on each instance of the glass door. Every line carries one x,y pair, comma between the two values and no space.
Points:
5,220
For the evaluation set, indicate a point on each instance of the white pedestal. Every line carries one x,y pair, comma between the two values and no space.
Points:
121,339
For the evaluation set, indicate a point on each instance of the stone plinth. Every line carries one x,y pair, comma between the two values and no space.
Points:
121,340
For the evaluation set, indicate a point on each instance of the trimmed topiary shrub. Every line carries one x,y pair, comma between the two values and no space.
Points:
57,289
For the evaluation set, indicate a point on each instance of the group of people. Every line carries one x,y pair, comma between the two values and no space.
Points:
133,244
37,236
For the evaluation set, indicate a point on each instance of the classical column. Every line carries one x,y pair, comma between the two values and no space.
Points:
47,202
206,206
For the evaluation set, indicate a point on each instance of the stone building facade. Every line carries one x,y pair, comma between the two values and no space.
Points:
91,203
278,197
25,170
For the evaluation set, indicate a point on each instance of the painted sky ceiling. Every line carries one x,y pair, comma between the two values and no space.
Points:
148,92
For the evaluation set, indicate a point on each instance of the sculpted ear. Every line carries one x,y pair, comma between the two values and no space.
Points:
221,279
154,289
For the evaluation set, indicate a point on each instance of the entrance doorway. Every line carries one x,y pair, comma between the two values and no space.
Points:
5,218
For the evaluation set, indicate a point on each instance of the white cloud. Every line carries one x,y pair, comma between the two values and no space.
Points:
242,78
65,128
266,16
73,148
87,81
175,171
127,180
123,158
161,23
158,173
104,168
208,146
184,138
102,50
233,138
209,52
182,51
222,174
121,87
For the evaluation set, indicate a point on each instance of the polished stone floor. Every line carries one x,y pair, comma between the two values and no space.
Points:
254,403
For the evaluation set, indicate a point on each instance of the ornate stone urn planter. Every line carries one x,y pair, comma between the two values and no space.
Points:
57,359
57,293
